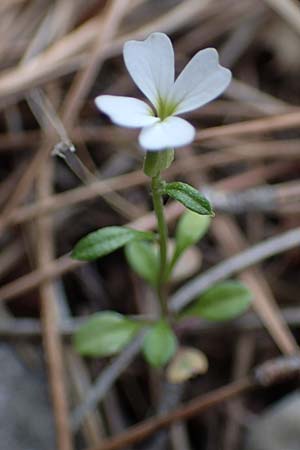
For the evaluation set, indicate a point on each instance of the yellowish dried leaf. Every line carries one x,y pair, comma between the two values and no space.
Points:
187,363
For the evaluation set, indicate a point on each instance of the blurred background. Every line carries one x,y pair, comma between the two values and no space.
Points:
56,56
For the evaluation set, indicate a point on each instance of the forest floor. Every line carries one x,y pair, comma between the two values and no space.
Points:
56,57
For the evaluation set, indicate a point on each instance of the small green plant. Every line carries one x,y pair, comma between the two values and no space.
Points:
151,65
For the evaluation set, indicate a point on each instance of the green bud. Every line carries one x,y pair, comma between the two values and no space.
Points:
156,162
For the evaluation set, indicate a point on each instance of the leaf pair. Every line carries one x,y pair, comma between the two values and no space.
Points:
108,332
143,256
108,239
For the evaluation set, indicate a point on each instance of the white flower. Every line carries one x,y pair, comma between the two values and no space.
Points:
151,66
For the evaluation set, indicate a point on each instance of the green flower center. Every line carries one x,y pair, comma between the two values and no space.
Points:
165,109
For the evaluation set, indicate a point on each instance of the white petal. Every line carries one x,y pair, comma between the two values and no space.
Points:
201,81
172,132
126,111
151,65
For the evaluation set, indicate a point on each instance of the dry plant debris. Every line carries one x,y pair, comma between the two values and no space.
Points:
55,58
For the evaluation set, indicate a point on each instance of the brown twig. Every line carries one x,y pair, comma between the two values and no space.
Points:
243,360
265,375
109,22
112,16
49,313
66,56
232,241
12,328
289,10
142,431
234,264
137,178
65,264
106,380
264,125
92,427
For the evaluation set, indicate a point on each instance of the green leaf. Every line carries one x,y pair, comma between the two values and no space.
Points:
105,241
143,258
189,197
105,334
223,301
190,229
159,344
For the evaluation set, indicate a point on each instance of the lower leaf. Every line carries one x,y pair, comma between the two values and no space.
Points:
159,344
105,334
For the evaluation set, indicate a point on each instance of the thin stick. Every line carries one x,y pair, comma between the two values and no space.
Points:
274,123
107,378
65,264
235,264
259,100
49,312
243,361
60,58
267,374
289,10
136,178
232,240
113,15
185,295
92,427
139,432
12,328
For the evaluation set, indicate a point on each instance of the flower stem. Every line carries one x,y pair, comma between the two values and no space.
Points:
156,183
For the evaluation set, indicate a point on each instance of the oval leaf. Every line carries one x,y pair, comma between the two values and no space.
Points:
190,229
223,301
159,344
106,240
105,334
187,363
189,197
143,258
187,266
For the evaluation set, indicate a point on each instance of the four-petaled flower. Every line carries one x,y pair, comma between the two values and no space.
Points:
151,66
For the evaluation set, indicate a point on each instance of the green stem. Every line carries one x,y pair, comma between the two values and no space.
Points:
171,265
156,184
